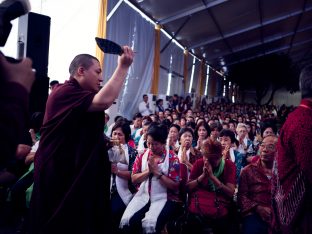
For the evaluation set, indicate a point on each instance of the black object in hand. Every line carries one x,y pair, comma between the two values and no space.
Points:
10,10
12,60
108,46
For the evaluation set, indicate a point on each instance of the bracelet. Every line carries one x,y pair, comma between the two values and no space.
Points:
220,186
158,177
198,182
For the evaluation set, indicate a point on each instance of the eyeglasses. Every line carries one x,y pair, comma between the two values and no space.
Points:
270,147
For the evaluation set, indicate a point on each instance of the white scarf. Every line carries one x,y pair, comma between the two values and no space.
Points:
176,145
158,197
232,155
141,147
121,183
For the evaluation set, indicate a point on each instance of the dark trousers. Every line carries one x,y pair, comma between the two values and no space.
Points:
253,224
190,223
118,207
18,193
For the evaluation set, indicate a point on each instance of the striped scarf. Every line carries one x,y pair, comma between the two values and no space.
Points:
217,173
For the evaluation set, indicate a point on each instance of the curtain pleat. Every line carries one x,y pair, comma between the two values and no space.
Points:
185,70
212,84
101,31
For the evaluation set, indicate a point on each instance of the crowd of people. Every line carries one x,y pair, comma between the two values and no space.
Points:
217,165
216,168
225,152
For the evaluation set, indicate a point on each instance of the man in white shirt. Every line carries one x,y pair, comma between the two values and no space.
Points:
136,128
144,107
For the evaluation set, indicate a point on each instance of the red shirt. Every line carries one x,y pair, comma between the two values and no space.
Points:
254,188
132,144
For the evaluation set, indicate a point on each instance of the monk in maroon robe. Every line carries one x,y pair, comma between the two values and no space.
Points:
72,171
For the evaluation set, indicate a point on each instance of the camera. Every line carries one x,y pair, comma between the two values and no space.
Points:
10,10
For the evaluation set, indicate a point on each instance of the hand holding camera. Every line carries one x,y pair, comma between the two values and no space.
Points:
21,72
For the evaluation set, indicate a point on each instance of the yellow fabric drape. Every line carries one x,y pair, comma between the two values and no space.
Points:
201,78
101,31
155,79
185,69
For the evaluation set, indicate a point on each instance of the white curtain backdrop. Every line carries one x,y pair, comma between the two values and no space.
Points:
176,67
196,74
127,27
189,74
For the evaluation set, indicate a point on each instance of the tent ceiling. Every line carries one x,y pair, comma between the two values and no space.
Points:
234,31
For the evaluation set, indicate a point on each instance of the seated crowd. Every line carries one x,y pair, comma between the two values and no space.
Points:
206,168
210,167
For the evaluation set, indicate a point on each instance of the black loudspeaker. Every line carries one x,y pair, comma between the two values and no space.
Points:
33,42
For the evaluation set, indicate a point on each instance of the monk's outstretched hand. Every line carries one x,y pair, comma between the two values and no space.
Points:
126,59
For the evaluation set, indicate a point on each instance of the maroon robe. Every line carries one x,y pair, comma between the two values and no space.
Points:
72,171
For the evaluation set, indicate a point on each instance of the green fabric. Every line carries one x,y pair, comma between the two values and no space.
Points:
217,172
105,128
37,136
29,190
28,195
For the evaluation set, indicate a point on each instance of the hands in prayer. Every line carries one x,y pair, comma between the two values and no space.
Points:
153,164
184,158
264,212
114,168
226,152
241,139
199,142
207,169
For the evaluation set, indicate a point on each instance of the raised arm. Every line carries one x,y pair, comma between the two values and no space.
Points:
110,91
